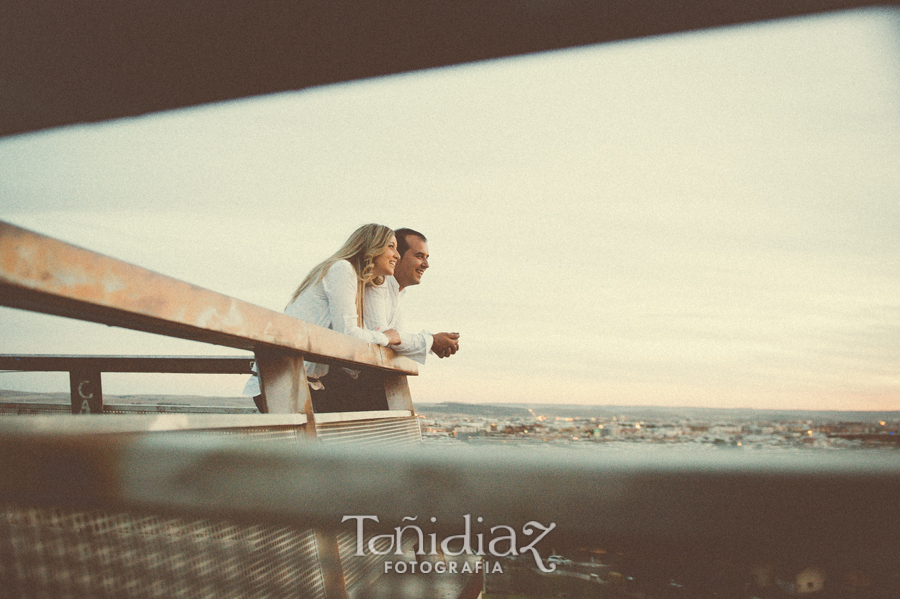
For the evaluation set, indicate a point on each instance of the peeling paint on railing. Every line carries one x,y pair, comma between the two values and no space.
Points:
46,275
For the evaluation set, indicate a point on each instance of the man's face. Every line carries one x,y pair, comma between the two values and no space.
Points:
413,263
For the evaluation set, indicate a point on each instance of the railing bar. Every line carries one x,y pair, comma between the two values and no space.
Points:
111,363
368,424
334,418
43,274
364,434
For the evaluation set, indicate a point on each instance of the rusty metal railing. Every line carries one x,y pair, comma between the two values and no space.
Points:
85,372
45,275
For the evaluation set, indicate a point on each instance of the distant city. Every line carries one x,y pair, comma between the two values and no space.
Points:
685,427
600,426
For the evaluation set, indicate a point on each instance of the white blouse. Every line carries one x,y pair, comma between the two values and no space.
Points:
330,303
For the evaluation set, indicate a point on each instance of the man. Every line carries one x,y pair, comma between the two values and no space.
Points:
382,305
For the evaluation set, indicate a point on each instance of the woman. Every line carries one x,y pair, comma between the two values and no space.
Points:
332,296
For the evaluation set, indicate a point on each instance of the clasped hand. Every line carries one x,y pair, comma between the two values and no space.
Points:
445,344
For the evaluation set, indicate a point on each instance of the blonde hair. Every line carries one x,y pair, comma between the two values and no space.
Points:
361,248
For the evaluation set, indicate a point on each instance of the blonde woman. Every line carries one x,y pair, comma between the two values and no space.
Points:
332,296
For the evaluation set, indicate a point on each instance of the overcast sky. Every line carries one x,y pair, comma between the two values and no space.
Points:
708,219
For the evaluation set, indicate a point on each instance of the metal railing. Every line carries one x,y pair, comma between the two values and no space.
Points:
45,275
85,375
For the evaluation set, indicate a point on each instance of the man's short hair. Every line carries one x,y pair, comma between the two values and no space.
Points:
402,244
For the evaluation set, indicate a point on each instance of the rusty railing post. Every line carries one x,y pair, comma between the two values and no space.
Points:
86,391
282,383
396,389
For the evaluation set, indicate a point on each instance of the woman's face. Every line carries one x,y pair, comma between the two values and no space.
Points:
385,262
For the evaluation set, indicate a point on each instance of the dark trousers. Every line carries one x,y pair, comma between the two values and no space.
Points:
343,393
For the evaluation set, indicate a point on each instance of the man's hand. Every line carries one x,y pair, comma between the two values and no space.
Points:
393,337
445,344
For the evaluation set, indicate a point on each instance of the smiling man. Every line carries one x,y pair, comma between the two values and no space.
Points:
382,306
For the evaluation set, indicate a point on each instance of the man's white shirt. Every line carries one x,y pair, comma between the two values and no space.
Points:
382,312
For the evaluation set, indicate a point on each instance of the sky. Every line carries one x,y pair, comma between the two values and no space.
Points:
703,219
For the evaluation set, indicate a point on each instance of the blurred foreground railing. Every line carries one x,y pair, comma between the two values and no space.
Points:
71,528
681,515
